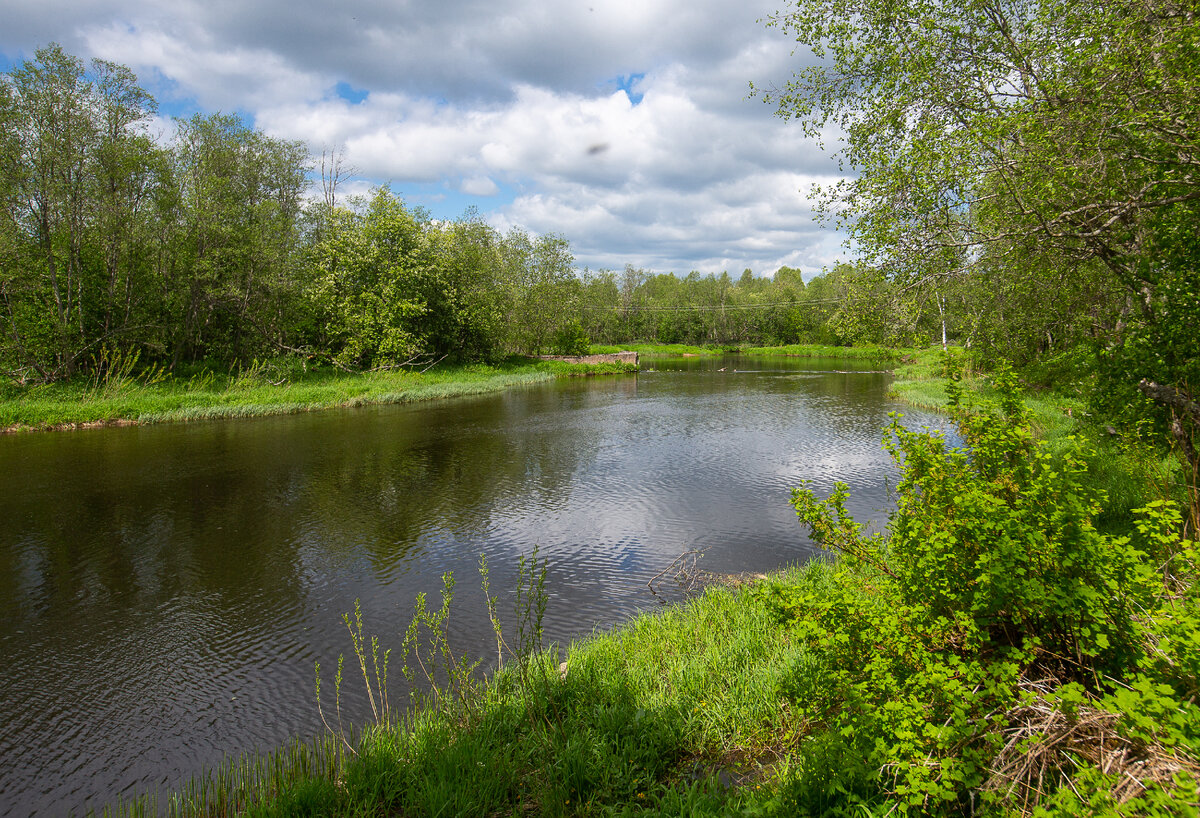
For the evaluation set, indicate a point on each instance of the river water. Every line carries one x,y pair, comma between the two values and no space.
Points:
165,590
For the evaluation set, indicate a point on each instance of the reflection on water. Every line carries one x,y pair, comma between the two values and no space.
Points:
164,591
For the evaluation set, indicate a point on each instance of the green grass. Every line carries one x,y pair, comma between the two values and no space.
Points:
643,721
1130,473
870,353
276,388
920,382
658,349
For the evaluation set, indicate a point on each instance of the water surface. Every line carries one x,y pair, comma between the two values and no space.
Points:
165,590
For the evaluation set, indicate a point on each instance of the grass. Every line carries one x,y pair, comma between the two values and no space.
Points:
656,717
870,353
658,349
1130,473
264,388
921,382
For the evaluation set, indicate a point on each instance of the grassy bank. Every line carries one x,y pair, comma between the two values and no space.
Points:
675,714
871,353
658,349
823,690
1130,473
921,381
274,388
868,353
1001,654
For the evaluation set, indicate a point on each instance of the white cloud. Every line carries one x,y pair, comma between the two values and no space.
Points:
515,102
479,186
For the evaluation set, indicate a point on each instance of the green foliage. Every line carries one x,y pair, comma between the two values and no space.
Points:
993,582
1029,167
538,272
365,289
570,339
1150,380
202,249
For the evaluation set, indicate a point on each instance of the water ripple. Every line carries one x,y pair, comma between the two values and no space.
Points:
165,592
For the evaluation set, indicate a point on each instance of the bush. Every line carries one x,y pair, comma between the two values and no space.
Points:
570,339
995,650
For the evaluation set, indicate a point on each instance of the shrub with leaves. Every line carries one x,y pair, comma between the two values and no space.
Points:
994,651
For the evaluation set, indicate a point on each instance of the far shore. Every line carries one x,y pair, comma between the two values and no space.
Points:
291,386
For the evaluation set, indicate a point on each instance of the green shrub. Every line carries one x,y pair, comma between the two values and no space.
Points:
994,647
570,339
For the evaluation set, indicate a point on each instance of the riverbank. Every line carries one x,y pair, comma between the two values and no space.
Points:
1128,472
674,713
840,687
877,683
873,353
285,386
864,353
921,382
290,386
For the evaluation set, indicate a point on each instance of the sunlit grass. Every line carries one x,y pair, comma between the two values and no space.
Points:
870,353
1130,474
641,717
274,390
658,349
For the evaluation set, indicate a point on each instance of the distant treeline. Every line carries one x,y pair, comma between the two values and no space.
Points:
846,305
213,246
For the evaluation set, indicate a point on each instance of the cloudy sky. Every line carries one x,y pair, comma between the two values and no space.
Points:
624,125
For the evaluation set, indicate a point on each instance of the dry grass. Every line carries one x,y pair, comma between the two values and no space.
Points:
1044,747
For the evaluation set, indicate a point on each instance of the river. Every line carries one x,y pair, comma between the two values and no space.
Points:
165,590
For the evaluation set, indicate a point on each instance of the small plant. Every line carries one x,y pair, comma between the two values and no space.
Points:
114,371
451,682
438,679
257,373
374,674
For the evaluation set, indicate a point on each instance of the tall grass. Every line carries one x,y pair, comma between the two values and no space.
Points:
652,716
871,353
259,389
658,349
239,785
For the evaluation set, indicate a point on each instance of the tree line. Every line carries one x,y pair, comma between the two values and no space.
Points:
206,247
1025,184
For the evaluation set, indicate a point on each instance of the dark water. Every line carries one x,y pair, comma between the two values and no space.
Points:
164,591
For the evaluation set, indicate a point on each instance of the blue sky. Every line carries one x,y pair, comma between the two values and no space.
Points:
624,125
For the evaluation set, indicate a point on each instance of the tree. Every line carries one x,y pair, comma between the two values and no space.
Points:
236,236
54,134
545,289
468,301
1017,134
365,287
77,177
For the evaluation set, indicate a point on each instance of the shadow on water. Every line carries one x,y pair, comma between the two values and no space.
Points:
164,591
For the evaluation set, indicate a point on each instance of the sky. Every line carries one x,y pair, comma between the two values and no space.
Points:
625,126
